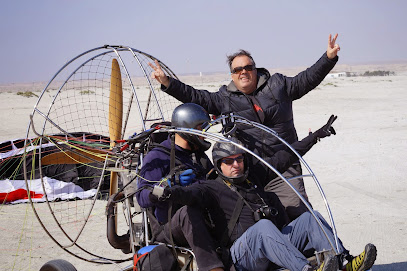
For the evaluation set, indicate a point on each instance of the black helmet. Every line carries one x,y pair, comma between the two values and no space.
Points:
224,149
190,115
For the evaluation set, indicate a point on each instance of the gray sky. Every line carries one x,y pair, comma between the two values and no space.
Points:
38,37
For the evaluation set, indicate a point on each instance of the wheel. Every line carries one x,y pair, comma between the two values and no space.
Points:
58,265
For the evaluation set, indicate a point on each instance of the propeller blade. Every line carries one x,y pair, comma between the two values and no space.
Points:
115,115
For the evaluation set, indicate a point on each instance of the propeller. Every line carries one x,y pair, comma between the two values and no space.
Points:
115,115
115,118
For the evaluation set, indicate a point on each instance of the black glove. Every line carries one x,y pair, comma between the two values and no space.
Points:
153,198
165,196
327,129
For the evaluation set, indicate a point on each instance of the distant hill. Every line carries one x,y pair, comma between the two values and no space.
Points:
16,87
400,67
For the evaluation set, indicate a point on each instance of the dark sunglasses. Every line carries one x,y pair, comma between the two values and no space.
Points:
240,69
230,161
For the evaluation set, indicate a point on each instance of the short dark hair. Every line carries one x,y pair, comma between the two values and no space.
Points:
241,52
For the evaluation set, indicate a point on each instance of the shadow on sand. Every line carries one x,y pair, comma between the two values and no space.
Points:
390,267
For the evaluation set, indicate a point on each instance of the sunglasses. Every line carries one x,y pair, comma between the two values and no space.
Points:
230,161
240,69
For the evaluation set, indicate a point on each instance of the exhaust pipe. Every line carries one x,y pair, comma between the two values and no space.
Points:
117,241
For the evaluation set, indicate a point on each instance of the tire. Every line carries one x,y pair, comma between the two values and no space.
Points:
58,265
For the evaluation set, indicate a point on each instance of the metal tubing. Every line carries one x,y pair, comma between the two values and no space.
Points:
215,137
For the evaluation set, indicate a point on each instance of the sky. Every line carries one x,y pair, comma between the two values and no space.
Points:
192,36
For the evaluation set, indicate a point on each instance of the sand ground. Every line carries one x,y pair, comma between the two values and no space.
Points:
361,169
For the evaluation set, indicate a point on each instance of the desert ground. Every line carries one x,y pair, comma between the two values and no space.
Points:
362,169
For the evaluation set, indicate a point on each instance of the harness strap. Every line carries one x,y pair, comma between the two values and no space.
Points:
187,263
236,212
172,170
165,150
172,155
156,227
232,222
225,253
135,260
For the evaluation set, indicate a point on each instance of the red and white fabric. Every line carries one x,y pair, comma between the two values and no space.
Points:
15,191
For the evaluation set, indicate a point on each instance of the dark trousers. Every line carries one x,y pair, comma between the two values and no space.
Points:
188,229
291,202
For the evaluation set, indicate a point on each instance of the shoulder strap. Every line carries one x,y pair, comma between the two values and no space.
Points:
232,222
167,151
156,227
172,155
235,216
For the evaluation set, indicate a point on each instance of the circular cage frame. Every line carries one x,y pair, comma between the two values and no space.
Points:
134,68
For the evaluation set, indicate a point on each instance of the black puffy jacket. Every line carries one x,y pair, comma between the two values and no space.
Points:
275,95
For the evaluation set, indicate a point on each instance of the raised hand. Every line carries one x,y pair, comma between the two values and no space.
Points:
333,48
327,129
158,74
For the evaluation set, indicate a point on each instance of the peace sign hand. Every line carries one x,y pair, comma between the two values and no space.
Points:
327,129
158,74
333,47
